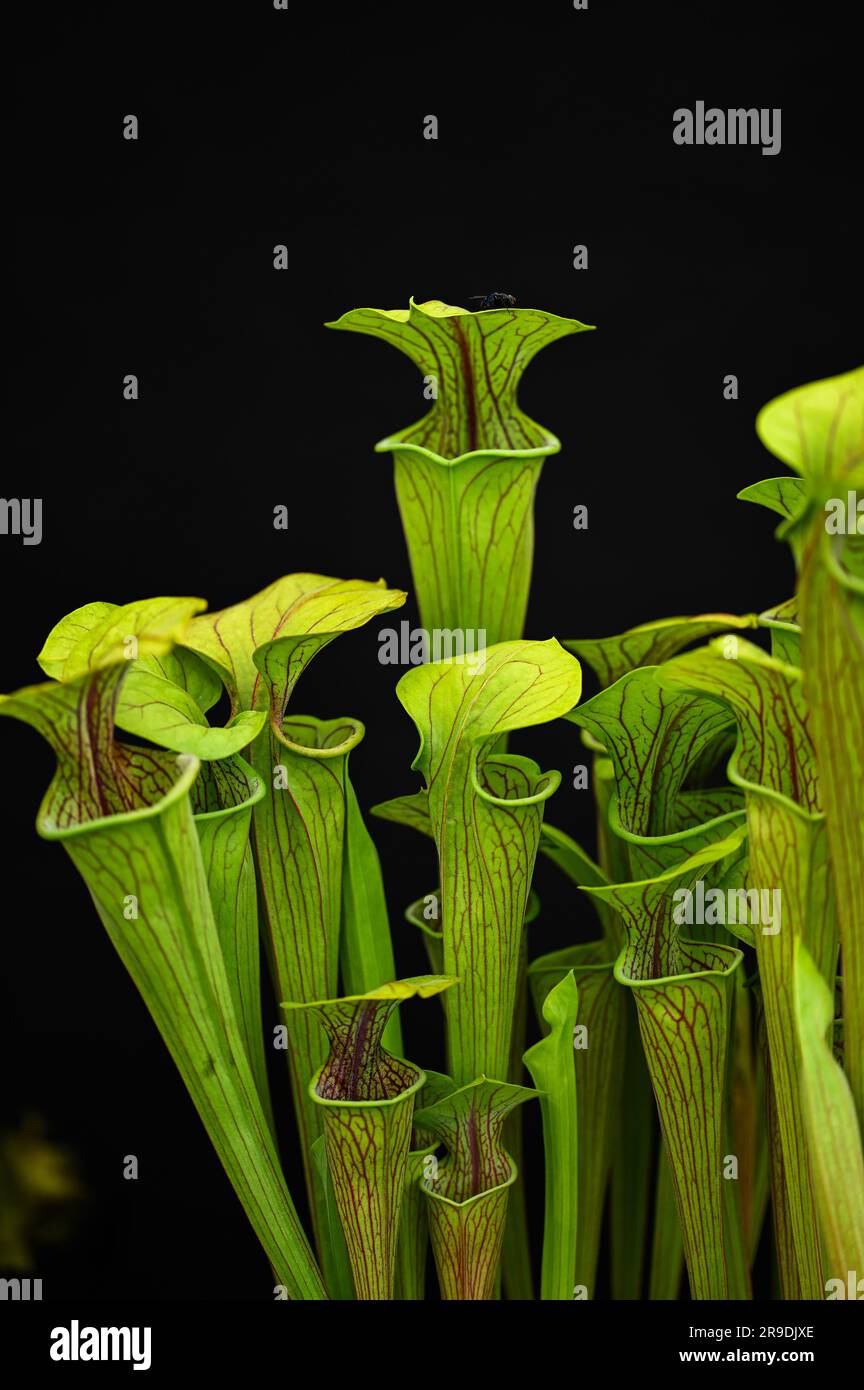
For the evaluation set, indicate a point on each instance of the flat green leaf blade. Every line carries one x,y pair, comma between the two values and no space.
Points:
559,847
596,1058
630,1189
412,811
337,1265
667,1244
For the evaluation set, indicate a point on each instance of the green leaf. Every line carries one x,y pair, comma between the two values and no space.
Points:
788,855
157,709
167,689
367,1098
684,1021
335,1260
653,736
774,748
102,634
832,1127
182,668
684,1025
789,850
468,1191
596,1066
366,950
414,1224
223,798
550,1062
299,835
785,496
469,528
466,473
570,857
650,643
832,654
286,624
486,811
425,914
412,811
477,361
784,623
630,1191
259,648
579,867
125,817
667,1243
612,853
652,917
516,1275
818,429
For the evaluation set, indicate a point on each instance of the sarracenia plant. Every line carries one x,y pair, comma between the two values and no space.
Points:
307,828
697,1055
367,1098
466,473
129,818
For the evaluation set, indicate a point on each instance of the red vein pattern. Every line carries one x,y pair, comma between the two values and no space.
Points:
125,818
260,648
684,1024
655,737
477,361
650,643
467,472
789,850
468,1197
366,1098
486,814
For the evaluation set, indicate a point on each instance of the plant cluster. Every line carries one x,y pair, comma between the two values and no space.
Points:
701,1060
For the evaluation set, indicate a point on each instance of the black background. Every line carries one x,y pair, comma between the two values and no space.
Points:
155,257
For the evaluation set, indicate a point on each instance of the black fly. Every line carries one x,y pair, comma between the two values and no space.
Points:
496,300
